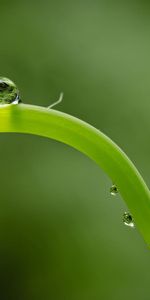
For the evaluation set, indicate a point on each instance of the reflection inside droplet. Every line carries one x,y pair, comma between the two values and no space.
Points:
16,101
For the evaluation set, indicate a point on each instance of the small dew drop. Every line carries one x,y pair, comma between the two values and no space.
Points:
113,190
128,219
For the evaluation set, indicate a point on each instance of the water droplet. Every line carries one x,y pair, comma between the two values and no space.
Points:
128,219
113,190
9,93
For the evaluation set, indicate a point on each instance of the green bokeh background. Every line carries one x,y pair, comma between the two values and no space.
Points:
61,233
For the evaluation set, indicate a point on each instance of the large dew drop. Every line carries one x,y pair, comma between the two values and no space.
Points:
9,93
113,190
128,219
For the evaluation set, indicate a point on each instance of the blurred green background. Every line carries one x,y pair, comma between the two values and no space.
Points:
61,232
